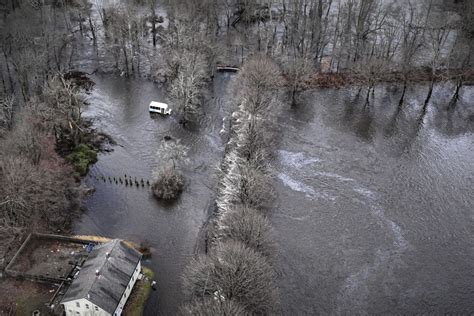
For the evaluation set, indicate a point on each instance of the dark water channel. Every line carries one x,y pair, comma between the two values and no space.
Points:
375,210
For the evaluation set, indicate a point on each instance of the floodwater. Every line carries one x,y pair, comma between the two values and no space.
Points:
375,208
119,107
376,204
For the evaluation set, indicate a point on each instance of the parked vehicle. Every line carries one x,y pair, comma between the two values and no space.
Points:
158,107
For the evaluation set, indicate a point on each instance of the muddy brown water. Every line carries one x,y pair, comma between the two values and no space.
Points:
375,206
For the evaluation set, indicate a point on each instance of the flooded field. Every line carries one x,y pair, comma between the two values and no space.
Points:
376,206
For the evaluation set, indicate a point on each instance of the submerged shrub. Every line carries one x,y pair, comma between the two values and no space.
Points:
168,183
248,226
82,157
233,271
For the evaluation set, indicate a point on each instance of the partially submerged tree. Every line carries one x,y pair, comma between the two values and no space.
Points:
297,71
248,226
168,181
186,88
233,272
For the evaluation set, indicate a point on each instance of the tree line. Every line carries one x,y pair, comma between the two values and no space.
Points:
236,276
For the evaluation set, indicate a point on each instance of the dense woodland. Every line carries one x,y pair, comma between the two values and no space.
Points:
282,48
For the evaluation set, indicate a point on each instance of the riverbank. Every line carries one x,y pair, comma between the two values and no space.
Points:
414,76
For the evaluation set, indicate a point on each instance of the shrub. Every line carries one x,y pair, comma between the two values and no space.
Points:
82,157
254,188
233,271
248,226
168,183
212,306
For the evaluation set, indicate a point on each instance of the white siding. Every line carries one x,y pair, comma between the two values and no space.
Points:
128,289
85,308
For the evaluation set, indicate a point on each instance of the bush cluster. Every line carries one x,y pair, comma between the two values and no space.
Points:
168,184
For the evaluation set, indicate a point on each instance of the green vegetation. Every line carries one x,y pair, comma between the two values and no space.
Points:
140,293
82,157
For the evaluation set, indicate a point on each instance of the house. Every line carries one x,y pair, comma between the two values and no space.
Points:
105,281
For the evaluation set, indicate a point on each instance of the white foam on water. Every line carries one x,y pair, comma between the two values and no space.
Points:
334,176
295,185
296,160
299,186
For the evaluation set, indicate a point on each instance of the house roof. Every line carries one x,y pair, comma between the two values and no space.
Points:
105,275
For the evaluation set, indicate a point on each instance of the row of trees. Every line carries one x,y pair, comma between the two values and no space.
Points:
236,275
367,41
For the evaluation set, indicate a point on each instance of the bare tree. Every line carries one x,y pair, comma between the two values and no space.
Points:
437,35
233,272
260,73
248,226
66,103
30,193
186,88
174,152
245,185
297,72
168,182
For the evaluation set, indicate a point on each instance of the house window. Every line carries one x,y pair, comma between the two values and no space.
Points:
128,286
77,304
96,309
87,306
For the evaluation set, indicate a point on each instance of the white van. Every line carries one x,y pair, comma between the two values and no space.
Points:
158,107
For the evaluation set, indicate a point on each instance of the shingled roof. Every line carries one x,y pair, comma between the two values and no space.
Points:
105,275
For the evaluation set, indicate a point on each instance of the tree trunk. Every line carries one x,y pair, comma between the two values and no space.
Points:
10,79
153,24
293,96
124,48
3,81
80,25
455,98
92,30
400,103
428,97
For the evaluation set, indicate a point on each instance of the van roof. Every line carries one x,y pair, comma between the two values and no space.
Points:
159,104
